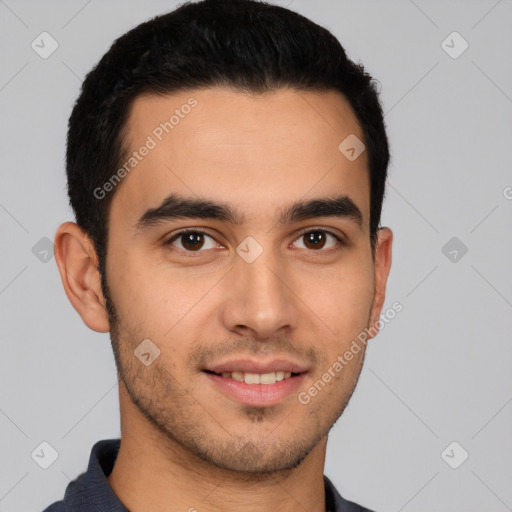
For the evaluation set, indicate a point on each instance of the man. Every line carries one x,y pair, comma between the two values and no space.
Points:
226,165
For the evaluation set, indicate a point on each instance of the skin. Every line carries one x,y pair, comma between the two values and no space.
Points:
184,443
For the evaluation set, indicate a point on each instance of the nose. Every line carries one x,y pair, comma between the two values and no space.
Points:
260,302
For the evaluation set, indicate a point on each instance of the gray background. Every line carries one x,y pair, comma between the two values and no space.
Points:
439,372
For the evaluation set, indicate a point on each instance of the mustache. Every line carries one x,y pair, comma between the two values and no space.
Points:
202,353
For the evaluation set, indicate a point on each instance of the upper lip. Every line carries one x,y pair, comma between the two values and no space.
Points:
250,366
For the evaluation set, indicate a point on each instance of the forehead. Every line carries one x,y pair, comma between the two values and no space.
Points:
257,152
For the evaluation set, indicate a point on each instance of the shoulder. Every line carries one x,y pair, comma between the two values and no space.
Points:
349,506
337,503
58,506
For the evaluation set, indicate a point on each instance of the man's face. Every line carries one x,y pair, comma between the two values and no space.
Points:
292,297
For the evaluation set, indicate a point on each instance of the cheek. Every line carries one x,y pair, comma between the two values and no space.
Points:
138,295
340,297
159,303
155,301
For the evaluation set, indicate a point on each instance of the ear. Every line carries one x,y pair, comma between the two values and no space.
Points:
382,266
77,262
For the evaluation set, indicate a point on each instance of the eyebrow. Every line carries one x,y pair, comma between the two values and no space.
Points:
177,206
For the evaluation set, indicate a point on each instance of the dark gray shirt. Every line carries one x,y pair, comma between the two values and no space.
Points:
91,492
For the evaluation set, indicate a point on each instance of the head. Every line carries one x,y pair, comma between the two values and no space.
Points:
227,118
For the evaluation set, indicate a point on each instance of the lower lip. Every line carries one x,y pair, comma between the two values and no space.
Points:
257,394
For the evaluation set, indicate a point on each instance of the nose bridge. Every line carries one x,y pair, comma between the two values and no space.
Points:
260,299
261,277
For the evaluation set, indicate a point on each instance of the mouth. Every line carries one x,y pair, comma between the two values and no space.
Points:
261,388
251,378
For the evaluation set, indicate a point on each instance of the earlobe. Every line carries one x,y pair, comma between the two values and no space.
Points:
77,262
383,256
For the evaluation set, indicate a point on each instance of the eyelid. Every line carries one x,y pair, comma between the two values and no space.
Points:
175,236
320,228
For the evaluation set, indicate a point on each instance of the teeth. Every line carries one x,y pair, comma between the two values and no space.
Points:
252,378
239,376
257,378
268,378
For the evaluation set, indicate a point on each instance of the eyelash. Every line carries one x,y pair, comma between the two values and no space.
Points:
305,232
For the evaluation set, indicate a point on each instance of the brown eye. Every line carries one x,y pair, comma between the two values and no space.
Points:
318,239
314,240
192,241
